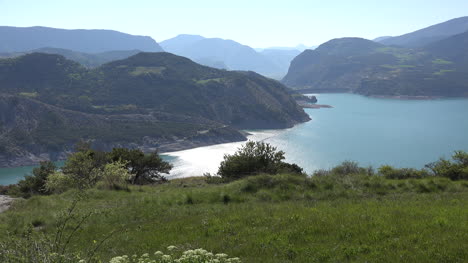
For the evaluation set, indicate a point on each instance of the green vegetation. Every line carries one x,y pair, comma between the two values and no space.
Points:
35,184
457,169
282,218
206,81
86,168
348,213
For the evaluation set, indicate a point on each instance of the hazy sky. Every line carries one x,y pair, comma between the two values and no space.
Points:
257,23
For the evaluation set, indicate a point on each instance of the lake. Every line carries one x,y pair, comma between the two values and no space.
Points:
371,131
403,133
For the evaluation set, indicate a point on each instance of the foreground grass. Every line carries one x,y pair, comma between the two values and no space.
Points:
270,219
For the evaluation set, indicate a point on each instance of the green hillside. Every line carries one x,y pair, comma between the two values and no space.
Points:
365,67
164,97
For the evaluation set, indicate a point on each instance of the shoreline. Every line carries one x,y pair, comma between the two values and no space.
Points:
181,171
406,97
32,159
166,148
393,97
315,106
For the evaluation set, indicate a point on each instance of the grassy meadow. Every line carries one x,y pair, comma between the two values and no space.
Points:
264,218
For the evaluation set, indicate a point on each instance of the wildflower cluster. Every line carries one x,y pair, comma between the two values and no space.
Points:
190,256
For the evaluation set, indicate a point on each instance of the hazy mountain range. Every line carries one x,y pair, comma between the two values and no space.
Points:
86,59
20,39
93,48
231,54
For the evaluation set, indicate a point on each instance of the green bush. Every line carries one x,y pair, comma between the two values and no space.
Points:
82,169
255,158
59,182
114,176
35,183
350,167
455,170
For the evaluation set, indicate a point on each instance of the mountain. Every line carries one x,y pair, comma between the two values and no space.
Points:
85,59
369,68
281,57
233,55
20,39
149,100
430,34
453,49
328,66
179,43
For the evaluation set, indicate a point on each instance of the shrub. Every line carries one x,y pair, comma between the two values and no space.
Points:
390,172
35,183
255,158
59,182
321,172
82,169
114,176
455,170
350,167
213,179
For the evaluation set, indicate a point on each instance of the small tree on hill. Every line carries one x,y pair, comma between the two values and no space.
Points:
255,158
145,168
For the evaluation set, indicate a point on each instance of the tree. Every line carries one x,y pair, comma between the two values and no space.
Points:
145,168
114,176
82,168
35,183
255,158
455,170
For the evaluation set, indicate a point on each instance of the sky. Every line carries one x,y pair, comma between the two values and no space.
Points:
257,23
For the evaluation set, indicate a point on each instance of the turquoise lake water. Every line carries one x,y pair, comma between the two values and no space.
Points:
403,133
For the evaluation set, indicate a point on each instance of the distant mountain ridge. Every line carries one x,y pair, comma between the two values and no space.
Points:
90,60
235,56
21,39
425,36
